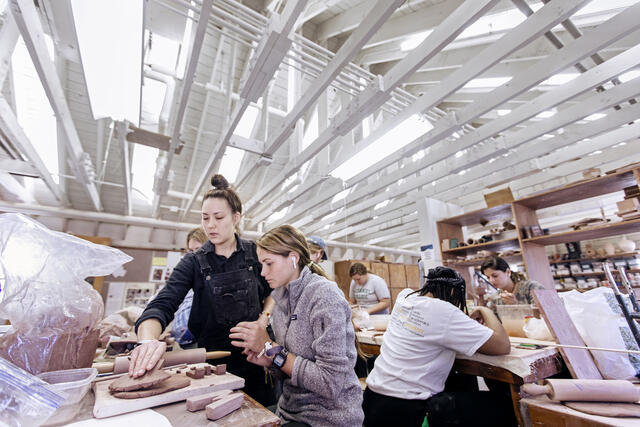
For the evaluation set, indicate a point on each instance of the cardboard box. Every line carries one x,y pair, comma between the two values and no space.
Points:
629,205
381,269
499,197
413,276
397,276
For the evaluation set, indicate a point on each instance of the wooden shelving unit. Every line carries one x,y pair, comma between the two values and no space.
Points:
524,214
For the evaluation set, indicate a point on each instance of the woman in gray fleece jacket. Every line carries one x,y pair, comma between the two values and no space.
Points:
314,346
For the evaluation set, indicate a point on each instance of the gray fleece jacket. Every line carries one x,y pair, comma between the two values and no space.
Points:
312,320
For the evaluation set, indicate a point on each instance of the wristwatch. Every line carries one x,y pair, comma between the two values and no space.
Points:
280,358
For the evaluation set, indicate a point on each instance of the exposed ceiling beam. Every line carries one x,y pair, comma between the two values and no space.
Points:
28,22
9,34
519,36
13,191
162,181
10,127
264,64
122,130
18,167
377,16
440,172
379,91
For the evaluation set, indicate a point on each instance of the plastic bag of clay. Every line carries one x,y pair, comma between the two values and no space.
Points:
361,319
52,310
600,322
537,329
25,400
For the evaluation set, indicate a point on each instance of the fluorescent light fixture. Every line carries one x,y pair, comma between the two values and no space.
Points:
503,112
594,117
547,136
247,122
629,75
381,204
487,82
341,195
460,153
331,215
230,164
278,215
559,79
143,169
414,40
392,141
113,81
33,109
419,155
546,114
595,153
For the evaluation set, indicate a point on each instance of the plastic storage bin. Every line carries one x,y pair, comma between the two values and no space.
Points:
70,383
513,318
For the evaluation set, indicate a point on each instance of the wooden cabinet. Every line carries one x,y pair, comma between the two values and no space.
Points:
524,213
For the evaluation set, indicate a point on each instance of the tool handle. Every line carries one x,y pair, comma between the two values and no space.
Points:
536,390
217,355
103,367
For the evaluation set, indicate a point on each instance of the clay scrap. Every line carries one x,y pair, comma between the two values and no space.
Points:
220,369
224,406
150,379
198,403
175,382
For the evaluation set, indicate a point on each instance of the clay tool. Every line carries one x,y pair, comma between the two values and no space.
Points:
614,286
484,279
585,390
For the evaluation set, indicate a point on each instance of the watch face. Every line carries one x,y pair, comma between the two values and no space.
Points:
279,360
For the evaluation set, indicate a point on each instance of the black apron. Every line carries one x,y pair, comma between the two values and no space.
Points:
235,298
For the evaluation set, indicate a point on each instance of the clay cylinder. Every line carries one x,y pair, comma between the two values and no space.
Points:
593,390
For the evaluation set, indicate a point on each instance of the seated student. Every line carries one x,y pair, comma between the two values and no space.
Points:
180,331
514,287
314,341
317,249
427,328
369,291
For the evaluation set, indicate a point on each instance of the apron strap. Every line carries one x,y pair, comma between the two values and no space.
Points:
203,262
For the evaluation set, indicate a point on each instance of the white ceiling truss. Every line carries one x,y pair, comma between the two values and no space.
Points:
511,91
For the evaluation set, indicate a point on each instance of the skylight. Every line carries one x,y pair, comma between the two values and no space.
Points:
414,41
629,75
113,81
559,79
231,161
503,112
311,133
488,82
398,137
341,195
247,122
594,117
33,109
278,215
143,170
546,114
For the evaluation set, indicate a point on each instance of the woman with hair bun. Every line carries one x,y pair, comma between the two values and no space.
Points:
314,348
224,275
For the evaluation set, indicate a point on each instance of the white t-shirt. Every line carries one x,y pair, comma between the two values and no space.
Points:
370,293
420,345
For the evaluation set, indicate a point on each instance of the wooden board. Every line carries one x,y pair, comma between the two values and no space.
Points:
498,198
382,270
579,362
106,405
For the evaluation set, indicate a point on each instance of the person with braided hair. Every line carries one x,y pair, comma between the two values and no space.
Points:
426,330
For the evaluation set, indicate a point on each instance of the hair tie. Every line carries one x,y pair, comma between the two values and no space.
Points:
310,264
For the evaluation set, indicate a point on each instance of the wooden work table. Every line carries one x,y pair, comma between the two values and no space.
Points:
518,367
542,411
250,414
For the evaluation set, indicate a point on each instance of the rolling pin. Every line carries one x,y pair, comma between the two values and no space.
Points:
194,355
586,390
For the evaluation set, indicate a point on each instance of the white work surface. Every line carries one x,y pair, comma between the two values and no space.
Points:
558,414
518,361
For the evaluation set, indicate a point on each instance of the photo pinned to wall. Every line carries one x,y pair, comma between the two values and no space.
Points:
157,274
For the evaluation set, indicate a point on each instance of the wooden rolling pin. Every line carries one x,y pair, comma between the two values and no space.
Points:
585,390
194,355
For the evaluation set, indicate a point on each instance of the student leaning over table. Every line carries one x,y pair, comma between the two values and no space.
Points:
427,328
224,275
314,339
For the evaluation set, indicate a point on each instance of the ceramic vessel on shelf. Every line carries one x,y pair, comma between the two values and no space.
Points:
626,245
609,249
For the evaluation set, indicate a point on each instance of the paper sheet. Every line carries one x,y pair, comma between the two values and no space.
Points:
145,417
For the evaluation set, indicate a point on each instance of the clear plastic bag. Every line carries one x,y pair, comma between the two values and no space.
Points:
25,400
52,309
